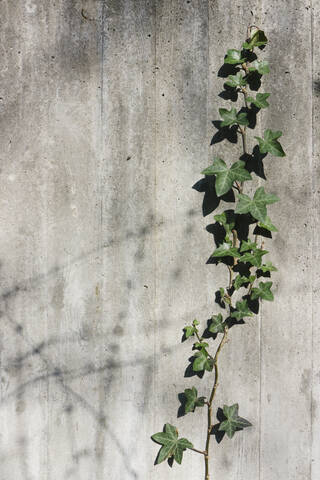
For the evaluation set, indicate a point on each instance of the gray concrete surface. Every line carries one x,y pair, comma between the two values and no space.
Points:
106,115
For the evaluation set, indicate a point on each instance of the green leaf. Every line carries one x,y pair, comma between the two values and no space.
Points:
226,176
202,361
256,206
242,280
260,101
201,345
268,225
269,143
231,117
189,331
257,39
261,66
242,310
172,446
263,291
237,80
226,250
234,57
268,267
217,324
192,400
255,258
195,322
247,245
233,422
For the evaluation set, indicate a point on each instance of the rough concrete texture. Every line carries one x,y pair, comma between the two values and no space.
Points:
106,121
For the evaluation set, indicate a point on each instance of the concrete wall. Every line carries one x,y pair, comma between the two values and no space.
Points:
106,119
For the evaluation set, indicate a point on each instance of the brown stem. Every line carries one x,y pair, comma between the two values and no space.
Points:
209,404
230,276
198,451
235,238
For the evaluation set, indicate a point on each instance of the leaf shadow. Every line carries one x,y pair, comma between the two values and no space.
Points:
254,80
226,69
217,231
252,304
262,232
182,407
211,201
224,133
229,93
254,162
215,429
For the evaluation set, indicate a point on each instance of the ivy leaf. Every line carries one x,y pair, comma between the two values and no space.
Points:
268,267
202,361
189,331
260,101
216,324
201,345
234,57
172,446
226,250
233,422
242,310
247,245
242,280
192,400
257,39
261,66
256,206
237,80
226,176
263,291
222,218
231,117
268,225
255,258
269,143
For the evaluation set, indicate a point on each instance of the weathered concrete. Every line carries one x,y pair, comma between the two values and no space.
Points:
106,120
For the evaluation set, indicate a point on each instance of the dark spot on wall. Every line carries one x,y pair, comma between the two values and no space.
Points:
177,273
118,330
69,408
114,347
316,87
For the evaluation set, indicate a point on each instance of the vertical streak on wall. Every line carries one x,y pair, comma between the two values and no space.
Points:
286,337
315,86
183,285
129,218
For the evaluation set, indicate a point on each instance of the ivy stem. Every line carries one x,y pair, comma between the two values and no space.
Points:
198,451
234,238
244,140
230,276
210,402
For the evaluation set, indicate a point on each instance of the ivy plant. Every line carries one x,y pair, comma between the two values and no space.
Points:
241,249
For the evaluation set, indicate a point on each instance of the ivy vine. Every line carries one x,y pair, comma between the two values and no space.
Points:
241,247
